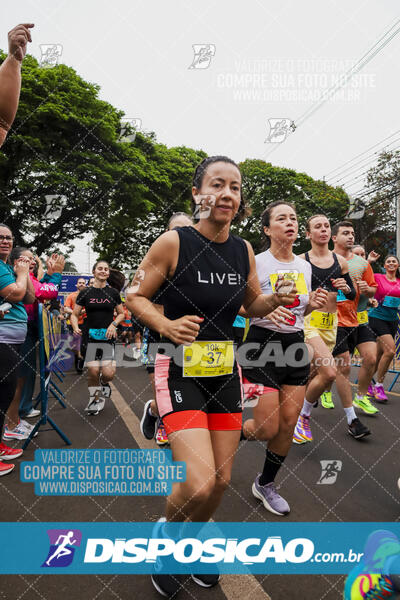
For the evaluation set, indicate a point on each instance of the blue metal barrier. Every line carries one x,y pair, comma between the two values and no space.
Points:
48,365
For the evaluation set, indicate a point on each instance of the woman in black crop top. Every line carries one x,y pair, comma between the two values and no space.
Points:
100,301
209,274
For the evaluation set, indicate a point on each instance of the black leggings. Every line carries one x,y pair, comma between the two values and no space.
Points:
9,365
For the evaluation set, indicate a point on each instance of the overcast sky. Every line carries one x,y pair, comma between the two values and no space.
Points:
270,60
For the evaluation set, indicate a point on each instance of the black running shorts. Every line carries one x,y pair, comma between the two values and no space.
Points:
381,327
348,338
275,359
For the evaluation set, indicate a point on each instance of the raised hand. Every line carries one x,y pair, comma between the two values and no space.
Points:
373,256
55,264
18,39
22,266
59,263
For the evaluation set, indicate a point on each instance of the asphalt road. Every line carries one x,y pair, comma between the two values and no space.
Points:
365,490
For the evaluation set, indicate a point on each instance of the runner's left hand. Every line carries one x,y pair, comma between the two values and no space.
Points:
318,298
340,284
362,286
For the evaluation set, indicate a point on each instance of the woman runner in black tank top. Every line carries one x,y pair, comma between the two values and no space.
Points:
209,275
323,277
320,327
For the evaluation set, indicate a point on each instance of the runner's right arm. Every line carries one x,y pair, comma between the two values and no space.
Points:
74,318
10,76
158,266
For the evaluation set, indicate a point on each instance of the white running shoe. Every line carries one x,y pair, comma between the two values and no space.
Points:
34,412
96,404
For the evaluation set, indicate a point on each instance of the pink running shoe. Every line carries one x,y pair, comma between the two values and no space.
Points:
371,390
380,395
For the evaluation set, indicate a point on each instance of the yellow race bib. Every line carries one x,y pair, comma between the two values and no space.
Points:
362,317
298,278
208,359
322,320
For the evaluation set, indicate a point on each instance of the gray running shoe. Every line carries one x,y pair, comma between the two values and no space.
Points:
270,498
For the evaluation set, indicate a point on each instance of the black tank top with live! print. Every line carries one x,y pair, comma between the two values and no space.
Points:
209,281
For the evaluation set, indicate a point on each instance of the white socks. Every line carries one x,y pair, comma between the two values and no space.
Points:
350,414
307,408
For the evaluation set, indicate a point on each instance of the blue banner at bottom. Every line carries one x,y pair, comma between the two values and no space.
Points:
142,548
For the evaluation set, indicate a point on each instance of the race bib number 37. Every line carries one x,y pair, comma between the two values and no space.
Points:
208,359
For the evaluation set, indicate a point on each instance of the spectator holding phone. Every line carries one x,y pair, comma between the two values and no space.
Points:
15,289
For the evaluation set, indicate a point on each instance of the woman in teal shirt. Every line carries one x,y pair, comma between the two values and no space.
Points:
15,289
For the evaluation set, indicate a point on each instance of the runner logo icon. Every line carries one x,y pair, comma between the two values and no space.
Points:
330,470
279,129
62,547
203,53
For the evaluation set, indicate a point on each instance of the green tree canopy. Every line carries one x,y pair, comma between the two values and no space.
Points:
62,167
377,229
264,183
127,234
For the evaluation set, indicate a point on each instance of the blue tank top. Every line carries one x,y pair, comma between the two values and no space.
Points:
209,281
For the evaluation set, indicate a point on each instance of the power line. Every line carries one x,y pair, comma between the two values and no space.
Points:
361,63
354,180
358,155
354,168
365,193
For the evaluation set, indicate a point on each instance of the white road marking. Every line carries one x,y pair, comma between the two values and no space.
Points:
234,587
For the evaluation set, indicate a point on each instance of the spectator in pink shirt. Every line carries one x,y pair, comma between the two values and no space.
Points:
383,320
